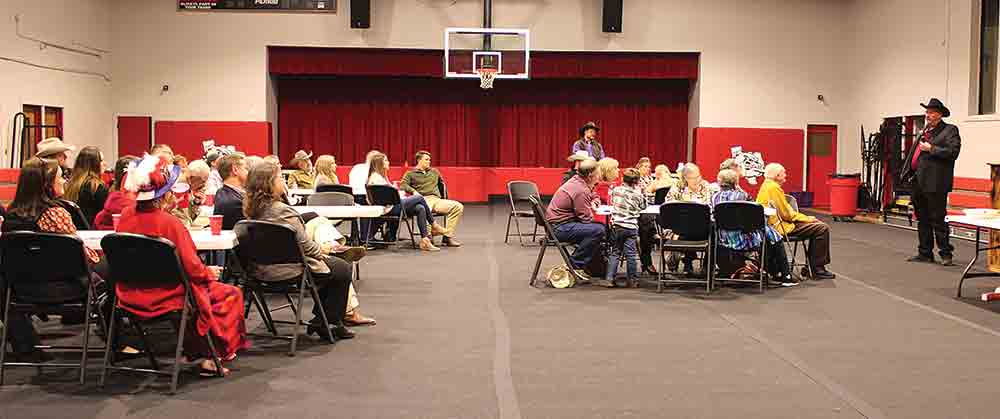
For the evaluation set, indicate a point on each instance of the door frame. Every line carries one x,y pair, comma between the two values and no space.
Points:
805,150
152,132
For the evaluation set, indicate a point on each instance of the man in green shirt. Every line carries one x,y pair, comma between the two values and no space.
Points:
423,180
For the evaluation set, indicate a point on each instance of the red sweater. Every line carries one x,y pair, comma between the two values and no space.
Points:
117,201
148,303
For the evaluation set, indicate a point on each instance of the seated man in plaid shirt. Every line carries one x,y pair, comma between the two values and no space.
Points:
627,203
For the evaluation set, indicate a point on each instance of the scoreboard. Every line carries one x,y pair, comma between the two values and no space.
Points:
316,6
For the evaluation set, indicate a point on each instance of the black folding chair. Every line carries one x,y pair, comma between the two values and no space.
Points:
746,217
142,262
339,199
385,195
43,274
549,240
661,196
79,220
265,243
443,189
519,191
335,188
796,242
693,222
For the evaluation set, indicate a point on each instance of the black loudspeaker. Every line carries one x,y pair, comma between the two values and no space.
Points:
613,15
361,14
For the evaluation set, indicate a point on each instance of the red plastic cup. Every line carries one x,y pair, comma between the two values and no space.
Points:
209,201
115,219
215,221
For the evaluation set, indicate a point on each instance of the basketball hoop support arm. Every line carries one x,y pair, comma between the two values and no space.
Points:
487,23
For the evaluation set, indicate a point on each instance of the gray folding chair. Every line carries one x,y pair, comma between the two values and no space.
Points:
520,191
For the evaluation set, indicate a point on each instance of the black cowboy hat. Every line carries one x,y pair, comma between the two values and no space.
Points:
936,104
589,125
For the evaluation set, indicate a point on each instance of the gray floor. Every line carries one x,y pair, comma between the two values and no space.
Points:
461,335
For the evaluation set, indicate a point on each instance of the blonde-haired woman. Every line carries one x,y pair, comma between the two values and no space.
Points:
607,174
326,170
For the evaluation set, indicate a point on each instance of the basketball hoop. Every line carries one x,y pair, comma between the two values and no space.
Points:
486,77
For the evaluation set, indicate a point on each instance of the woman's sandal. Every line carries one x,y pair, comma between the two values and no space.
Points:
211,372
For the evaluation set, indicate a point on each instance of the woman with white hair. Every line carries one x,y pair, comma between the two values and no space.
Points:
791,223
734,244
693,188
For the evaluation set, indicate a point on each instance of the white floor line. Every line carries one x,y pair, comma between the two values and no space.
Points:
502,380
925,307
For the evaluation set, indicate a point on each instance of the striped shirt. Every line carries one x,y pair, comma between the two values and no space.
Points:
626,204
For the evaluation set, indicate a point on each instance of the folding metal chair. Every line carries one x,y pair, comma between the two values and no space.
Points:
746,217
33,284
795,242
340,199
519,191
264,243
80,221
335,188
385,195
661,196
693,222
142,262
549,240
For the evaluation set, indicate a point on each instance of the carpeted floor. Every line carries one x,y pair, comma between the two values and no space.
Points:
461,335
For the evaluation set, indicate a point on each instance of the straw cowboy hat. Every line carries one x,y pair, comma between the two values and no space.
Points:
936,104
299,156
589,125
52,146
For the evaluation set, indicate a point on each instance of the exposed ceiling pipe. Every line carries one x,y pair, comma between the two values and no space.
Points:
45,44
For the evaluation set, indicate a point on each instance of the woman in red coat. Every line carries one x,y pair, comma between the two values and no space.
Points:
220,306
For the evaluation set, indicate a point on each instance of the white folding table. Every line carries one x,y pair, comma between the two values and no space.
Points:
203,239
344,211
980,224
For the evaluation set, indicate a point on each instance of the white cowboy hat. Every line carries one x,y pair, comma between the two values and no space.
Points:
52,146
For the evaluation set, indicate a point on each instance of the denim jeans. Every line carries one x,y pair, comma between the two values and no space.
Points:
586,237
623,240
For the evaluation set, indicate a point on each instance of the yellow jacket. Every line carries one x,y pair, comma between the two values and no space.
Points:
771,194
300,179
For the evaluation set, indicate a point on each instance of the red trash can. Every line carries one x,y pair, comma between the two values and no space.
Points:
844,195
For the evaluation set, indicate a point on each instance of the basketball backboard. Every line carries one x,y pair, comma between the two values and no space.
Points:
467,50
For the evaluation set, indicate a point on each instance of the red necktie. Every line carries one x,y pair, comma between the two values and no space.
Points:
916,157
916,154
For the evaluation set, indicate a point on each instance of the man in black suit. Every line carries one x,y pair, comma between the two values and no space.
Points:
930,165
229,198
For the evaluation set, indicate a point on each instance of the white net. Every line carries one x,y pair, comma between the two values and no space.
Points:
486,77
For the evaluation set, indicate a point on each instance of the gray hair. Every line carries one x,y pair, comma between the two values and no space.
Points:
587,167
728,178
772,170
729,164
199,168
688,168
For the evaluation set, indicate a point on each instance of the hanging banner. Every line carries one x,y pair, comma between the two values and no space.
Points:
315,6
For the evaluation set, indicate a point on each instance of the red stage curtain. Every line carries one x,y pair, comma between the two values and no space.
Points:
309,61
538,121
349,117
521,124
